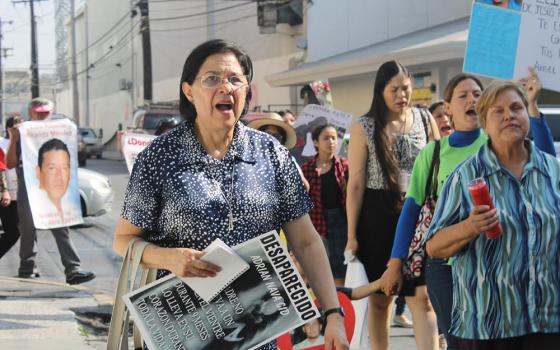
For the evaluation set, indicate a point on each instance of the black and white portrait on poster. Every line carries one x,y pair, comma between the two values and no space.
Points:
264,302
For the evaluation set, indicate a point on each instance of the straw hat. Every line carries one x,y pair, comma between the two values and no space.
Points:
276,120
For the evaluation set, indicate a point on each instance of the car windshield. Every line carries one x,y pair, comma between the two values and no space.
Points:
87,132
152,121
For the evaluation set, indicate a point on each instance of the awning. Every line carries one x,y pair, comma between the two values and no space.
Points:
435,44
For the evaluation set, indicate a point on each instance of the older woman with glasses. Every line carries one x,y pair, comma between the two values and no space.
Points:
212,177
506,289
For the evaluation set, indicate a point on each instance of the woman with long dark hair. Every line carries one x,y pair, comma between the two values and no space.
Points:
384,144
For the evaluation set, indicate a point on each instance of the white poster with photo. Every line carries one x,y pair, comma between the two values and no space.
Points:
311,117
132,145
49,153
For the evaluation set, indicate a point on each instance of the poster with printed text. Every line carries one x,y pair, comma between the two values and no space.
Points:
267,300
506,37
49,151
132,145
311,117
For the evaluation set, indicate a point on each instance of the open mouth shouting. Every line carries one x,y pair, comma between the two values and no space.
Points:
224,107
471,112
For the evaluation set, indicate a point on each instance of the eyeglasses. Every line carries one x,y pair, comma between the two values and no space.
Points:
213,80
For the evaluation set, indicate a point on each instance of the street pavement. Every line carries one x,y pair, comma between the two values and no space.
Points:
47,313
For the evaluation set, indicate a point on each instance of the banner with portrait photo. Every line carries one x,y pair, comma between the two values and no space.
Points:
49,154
264,302
132,145
311,117
506,37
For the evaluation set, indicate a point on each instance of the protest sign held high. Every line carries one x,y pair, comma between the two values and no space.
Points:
132,145
309,118
503,42
49,158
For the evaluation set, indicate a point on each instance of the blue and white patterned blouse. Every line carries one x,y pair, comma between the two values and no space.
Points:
508,286
181,196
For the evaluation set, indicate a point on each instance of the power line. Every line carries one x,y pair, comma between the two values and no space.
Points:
203,25
197,14
121,43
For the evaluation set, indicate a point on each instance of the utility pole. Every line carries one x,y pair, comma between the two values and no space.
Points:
2,74
132,60
86,15
146,49
75,97
34,58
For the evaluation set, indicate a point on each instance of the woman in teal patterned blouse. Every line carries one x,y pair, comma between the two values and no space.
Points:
506,290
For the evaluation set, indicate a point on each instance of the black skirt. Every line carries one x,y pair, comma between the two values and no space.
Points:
375,234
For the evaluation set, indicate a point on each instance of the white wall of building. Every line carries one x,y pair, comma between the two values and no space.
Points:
336,26
171,41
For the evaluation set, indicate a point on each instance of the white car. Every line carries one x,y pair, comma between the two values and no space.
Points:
96,193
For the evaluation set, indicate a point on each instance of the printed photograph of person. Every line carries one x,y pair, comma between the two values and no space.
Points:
53,179
508,4
311,335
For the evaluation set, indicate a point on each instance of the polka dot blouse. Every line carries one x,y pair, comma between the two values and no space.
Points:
182,197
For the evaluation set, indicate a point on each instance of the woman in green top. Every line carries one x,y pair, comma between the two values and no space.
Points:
460,96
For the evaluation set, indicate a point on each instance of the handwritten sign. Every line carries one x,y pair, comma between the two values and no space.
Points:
503,42
539,41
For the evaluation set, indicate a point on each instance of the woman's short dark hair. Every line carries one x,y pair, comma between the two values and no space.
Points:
435,106
316,132
379,112
453,82
196,59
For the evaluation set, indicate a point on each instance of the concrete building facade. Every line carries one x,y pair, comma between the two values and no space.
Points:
112,72
349,40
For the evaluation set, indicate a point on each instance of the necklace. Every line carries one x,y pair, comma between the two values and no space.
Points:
229,201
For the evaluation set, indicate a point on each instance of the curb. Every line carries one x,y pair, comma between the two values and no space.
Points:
98,296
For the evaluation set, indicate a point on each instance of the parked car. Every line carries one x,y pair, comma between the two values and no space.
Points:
82,154
146,121
96,193
552,114
93,142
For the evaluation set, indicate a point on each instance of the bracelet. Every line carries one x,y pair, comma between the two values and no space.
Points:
334,310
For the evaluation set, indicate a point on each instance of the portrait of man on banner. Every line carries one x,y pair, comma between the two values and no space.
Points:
49,153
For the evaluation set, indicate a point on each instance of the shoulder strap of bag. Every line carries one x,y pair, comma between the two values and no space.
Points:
431,184
425,119
118,330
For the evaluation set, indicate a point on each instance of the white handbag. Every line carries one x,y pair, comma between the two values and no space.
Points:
118,331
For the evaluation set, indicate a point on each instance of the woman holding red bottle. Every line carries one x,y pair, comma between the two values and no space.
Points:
506,290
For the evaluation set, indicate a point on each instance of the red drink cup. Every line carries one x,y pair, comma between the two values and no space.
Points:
481,196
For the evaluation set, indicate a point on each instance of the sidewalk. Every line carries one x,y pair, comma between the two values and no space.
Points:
40,314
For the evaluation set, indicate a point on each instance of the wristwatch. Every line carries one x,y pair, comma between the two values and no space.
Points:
334,310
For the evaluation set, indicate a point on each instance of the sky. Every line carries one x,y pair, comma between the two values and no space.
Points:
18,35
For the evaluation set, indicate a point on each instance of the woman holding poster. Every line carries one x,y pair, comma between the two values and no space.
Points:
212,177
384,144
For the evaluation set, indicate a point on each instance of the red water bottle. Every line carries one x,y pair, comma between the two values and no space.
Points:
481,196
